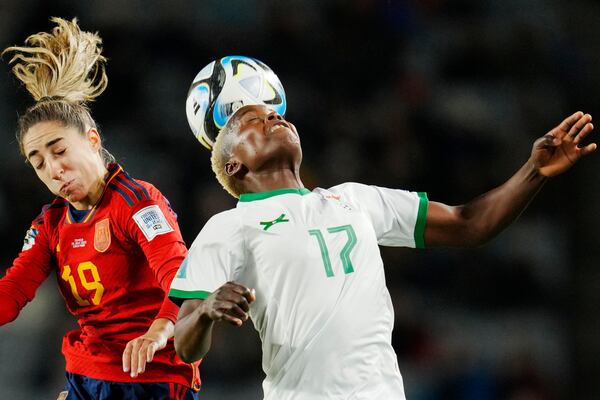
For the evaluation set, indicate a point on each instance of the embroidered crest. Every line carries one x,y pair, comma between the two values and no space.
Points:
102,235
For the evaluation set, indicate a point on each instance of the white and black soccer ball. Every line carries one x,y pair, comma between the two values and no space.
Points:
223,87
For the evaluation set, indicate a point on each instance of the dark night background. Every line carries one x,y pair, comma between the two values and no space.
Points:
440,96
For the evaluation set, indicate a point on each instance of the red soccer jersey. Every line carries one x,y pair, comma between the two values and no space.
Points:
113,268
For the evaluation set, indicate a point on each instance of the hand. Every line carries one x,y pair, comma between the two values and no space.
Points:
141,350
558,150
230,303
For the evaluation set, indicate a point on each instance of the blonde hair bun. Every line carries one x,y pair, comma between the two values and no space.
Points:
65,63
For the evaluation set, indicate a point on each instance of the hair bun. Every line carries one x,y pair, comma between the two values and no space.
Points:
63,64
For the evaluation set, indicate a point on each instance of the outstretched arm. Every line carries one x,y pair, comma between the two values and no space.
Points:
482,218
193,330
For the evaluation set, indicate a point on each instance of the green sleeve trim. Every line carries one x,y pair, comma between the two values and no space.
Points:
184,294
421,219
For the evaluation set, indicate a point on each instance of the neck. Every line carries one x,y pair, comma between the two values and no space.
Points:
266,181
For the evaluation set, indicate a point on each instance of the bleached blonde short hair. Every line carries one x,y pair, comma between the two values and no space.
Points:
222,153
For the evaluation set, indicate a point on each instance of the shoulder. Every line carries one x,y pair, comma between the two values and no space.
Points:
51,213
224,226
129,190
349,192
349,188
374,199
360,190
228,220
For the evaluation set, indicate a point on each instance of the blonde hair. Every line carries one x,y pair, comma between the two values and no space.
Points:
62,70
221,153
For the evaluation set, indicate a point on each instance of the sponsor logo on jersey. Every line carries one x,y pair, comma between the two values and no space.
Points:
79,243
268,224
29,240
102,235
152,222
338,199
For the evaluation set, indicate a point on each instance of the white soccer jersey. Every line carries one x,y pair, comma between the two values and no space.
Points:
322,308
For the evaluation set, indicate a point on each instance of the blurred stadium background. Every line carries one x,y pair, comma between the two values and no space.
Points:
438,96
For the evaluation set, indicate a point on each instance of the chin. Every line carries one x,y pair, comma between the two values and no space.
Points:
293,138
73,197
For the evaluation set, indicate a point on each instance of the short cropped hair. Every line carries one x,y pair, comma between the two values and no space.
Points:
222,153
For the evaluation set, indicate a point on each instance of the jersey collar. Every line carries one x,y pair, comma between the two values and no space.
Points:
246,197
113,170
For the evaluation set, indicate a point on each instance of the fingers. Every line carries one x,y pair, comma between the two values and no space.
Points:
127,357
248,293
579,125
130,357
579,131
137,353
228,311
588,149
224,316
581,134
566,125
251,296
152,347
230,303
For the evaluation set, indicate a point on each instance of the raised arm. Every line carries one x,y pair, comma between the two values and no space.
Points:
31,267
193,330
477,221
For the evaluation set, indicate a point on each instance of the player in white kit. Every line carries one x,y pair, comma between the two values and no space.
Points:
305,265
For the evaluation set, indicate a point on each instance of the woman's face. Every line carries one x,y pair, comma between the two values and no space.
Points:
264,139
66,161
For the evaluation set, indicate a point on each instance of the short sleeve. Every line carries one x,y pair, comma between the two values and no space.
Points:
212,259
398,216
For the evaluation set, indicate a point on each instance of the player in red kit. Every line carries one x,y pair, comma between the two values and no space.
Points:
112,241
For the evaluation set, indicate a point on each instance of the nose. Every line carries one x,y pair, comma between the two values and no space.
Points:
55,168
273,115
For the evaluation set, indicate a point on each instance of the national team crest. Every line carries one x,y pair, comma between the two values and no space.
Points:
102,235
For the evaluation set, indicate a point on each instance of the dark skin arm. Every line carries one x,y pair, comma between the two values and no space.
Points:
193,330
477,221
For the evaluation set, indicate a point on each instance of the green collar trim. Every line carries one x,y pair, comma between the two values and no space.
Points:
245,197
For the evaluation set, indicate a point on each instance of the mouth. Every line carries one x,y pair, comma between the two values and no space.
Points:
66,186
278,125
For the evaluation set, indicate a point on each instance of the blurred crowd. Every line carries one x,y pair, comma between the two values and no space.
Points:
440,96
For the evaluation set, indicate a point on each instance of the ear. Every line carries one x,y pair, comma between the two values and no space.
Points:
232,167
94,138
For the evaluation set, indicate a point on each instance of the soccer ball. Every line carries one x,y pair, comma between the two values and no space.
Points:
224,86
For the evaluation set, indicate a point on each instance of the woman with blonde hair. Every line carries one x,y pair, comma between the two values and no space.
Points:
112,241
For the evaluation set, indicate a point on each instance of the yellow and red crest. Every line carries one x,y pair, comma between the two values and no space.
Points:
102,235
